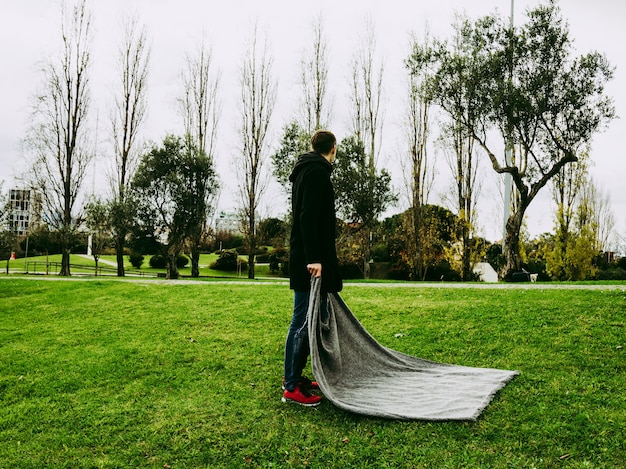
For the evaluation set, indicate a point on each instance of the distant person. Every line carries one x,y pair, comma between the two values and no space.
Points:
312,251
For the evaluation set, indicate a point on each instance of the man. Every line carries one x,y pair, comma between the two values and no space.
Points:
311,252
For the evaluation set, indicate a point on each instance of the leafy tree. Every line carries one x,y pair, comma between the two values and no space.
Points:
98,222
295,141
168,182
362,195
439,234
572,258
43,241
545,104
272,231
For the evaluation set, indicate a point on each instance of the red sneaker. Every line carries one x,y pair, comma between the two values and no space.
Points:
302,397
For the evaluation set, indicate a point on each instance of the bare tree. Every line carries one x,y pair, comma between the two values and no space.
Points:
314,81
200,110
418,171
129,113
59,134
258,96
366,96
566,185
464,160
199,105
605,221
314,109
594,210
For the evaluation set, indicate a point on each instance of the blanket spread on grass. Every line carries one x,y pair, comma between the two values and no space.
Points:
359,375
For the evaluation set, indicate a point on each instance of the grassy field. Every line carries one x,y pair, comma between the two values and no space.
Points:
117,374
107,266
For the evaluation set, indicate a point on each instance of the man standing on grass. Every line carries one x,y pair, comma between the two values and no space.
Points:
311,252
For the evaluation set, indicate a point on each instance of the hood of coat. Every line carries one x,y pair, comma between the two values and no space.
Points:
309,159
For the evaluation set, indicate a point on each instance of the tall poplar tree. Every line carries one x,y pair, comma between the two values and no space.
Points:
59,134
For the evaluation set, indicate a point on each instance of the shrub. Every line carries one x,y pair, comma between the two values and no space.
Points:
442,271
263,259
380,253
182,261
350,270
227,261
158,262
399,271
277,257
136,259
615,273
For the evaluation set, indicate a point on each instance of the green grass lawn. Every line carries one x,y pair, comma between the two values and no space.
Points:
85,265
106,373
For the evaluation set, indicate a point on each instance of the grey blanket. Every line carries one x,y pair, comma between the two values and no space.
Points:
359,375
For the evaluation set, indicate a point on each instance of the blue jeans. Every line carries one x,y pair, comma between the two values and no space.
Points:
297,345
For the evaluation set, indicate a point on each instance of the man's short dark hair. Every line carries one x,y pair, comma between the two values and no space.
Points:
323,142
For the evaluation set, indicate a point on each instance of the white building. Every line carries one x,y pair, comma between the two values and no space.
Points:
228,223
24,211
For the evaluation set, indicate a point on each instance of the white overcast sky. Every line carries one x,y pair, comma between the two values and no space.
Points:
30,34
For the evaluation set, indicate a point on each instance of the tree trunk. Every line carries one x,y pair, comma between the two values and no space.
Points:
367,253
119,253
466,269
172,268
513,258
251,264
467,261
417,271
65,263
195,261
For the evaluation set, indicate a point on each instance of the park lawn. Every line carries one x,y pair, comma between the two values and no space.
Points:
79,261
109,373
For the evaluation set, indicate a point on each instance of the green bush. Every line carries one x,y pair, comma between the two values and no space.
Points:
615,273
182,261
442,271
350,270
263,259
227,261
136,259
380,253
276,258
158,262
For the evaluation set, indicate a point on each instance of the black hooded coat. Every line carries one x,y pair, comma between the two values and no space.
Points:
313,232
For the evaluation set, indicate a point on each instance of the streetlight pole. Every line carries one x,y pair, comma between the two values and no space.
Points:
508,157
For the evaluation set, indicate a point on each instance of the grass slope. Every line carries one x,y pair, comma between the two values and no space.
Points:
82,264
105,373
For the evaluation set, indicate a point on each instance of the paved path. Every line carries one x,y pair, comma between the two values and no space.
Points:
100,261
267,281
